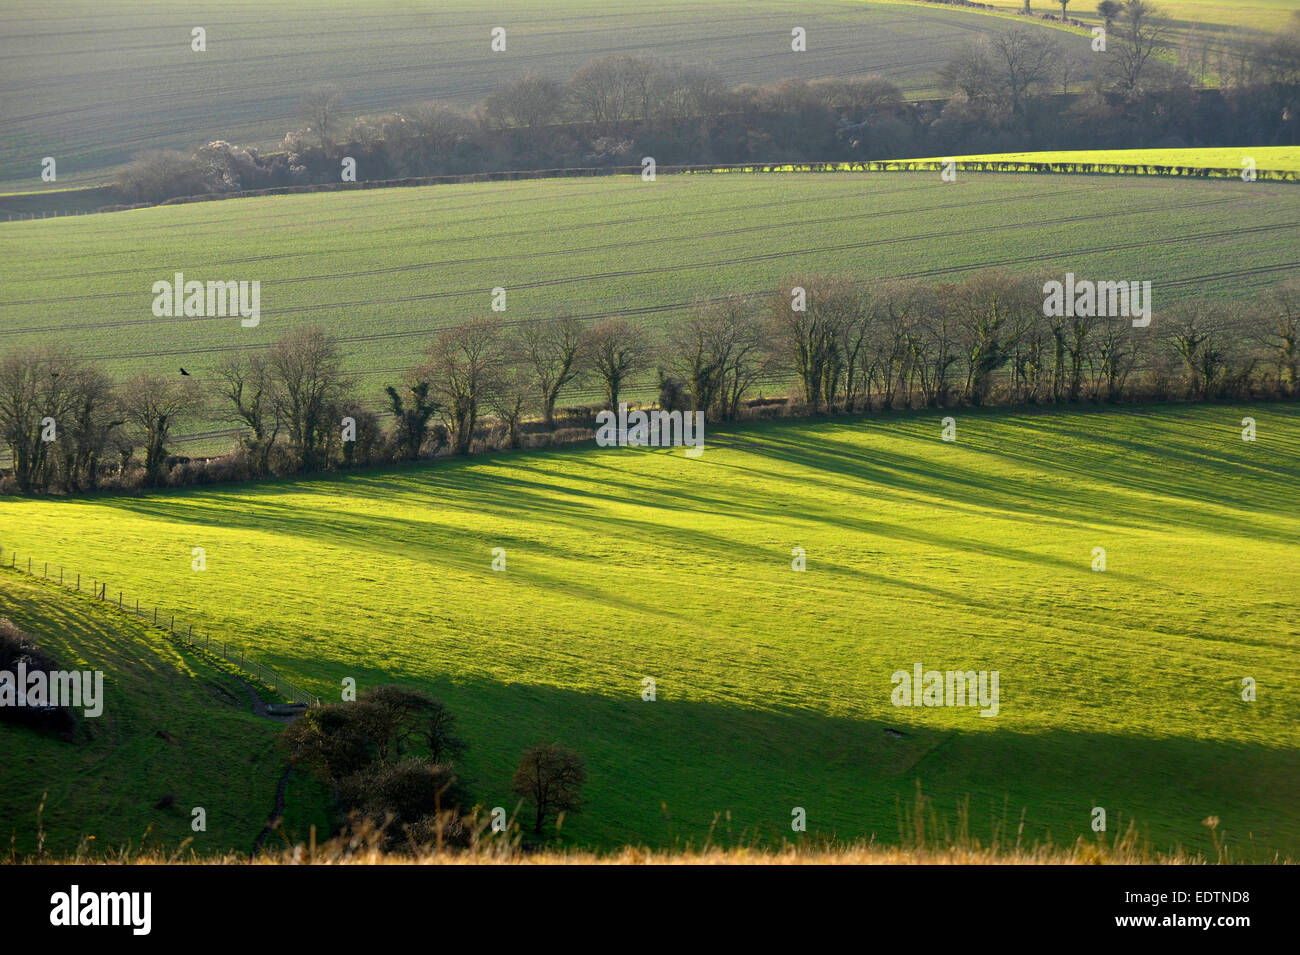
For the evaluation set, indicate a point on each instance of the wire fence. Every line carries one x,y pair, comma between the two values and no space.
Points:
166,622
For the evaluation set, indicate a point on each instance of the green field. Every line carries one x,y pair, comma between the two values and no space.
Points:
1282,158
1118,689
382,268
1217,16
219,756
94,83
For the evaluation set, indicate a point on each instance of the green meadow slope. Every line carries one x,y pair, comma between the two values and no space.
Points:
1118,689
383,268
214,753
94,83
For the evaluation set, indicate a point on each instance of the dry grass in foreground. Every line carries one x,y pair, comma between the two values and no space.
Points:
364,848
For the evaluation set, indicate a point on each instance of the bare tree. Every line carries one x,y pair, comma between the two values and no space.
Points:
90,424
1196,55
550,776
551,349
158,174
861,97
1023,59
1114,356
971,71
309,388
425,139
803,332
1065,72
1141,36
154,406
613,91
1280,310
319,106
615,349
462,368
886,362
246,385
1198,337
740,337
32,395
531,103
512,395
690,100
986,306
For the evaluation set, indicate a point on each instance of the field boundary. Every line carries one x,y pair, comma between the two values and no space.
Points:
826,167
235,656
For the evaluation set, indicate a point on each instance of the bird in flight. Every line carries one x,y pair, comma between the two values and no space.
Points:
185,373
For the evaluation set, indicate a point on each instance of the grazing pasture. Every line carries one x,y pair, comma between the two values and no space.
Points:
172,724
1118,689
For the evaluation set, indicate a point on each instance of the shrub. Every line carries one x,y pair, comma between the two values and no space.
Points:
17,648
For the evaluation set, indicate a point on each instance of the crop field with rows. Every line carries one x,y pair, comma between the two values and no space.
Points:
94,83
381,269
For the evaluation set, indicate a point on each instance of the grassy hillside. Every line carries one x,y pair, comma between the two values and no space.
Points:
215,753
94,83
1119,689
381,268
1282,158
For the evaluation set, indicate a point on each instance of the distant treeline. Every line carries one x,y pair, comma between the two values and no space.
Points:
822,344
1014,91
1058,167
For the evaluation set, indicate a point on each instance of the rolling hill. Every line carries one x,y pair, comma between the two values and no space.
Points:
172,724
1119,689
381,269
94,83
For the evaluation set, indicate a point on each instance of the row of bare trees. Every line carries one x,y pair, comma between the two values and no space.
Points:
831,343
987,339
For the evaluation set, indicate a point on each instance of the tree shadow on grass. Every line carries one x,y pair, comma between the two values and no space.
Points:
661,772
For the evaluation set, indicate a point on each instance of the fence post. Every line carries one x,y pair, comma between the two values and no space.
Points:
60,576
119,600
78,583
155,616
29,565
172,626
46,574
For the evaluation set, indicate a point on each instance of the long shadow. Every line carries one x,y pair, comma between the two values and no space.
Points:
661,772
